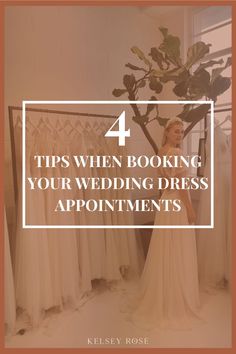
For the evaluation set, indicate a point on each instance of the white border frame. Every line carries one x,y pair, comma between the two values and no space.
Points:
25,226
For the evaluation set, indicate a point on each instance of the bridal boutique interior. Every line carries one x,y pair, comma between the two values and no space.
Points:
60,283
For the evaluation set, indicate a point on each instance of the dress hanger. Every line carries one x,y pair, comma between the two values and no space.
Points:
63,127
102,127
228,118
216,123
79,127
73,129
18,121
33,129
95,126
48,123
87,125
40,123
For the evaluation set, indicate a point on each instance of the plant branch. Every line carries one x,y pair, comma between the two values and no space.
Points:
142,125
155,118
144,77
150,139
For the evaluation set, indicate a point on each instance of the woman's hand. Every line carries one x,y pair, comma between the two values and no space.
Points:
191,215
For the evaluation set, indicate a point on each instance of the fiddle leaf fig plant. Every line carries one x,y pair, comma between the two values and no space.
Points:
191,79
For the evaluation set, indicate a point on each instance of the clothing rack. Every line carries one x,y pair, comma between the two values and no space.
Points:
220,110
11,109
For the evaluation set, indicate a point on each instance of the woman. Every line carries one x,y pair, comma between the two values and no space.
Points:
169,294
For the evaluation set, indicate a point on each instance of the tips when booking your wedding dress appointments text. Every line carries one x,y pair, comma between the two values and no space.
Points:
72,173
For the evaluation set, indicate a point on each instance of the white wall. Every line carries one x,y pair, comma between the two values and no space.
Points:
77,53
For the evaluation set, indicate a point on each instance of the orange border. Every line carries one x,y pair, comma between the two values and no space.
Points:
3,4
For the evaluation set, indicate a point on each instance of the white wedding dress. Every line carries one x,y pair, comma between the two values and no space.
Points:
46,261
169,294
213,245
33,286
56,267
62,242
95,250
127,250
9,289
229,218
102,252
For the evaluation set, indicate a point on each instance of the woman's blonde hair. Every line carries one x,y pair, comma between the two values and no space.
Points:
168,125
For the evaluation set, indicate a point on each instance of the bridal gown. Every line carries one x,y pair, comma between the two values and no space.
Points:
56,267
168,295
101,247
131,257
229,218
9,289
115,238
212,243
46,266
33,285
62,242
110,265
102,251
91,242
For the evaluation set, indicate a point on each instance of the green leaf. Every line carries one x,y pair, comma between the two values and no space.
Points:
141,84
157,73
133,67
216,72
196,52
195,114
208,64
129,82
151,107
155,85
158,57
118,92
219,85
199,83
184,113
153,98
181,89
173,75
182,82
141,55
171,47
183,75
164,31
162,121
194,97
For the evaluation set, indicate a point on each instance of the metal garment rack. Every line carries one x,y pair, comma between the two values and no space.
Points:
223,110
220,110
202,141
11,109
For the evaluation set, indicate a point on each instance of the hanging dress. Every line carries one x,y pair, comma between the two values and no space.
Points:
212,243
